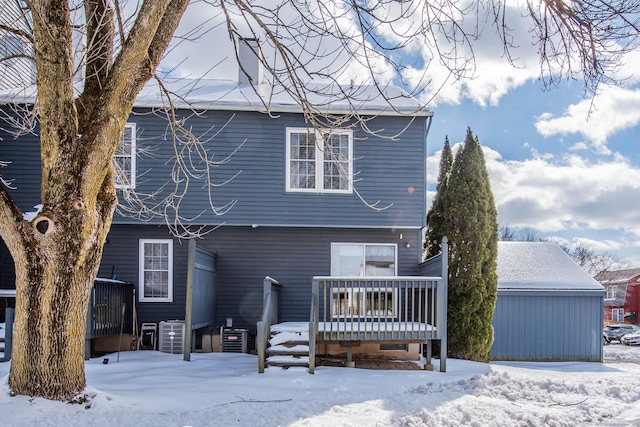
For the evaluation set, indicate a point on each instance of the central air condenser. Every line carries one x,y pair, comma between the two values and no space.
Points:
235,340
171,336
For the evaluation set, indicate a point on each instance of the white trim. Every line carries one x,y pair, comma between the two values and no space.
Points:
610,288
132,156
141,271
319,161
617,318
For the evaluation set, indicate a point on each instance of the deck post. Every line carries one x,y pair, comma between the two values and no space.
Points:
260,344
313,324
442,305
191,263
270,306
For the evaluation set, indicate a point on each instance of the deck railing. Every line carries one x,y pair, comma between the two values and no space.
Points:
6,338
377,309
405,309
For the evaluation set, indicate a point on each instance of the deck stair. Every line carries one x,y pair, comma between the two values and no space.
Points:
288,345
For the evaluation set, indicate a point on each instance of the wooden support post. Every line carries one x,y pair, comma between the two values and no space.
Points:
350,362
191,262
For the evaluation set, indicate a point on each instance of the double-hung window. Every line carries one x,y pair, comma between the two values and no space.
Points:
610,292
319,161
124,161
364,260
156,270
617,315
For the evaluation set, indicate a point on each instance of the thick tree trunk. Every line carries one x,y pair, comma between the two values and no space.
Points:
55,268
57,255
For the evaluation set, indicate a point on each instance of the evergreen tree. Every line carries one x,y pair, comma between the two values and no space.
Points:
470,222
433,241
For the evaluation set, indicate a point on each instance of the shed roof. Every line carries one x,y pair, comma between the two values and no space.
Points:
540,266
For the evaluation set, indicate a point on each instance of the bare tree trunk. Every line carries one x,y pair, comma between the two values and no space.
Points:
57,255
55,268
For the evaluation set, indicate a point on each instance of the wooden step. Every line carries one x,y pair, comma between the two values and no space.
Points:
295,350
287,361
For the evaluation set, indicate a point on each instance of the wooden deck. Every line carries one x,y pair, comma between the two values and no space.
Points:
408,309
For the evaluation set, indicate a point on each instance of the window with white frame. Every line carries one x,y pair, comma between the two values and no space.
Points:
610,292
364,260
156,270
124,161
319,161
617,314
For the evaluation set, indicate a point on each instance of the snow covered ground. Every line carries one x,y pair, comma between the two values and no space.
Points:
147,388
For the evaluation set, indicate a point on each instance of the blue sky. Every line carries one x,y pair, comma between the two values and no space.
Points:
570,176
564,186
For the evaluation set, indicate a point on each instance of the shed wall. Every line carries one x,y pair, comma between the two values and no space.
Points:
547,327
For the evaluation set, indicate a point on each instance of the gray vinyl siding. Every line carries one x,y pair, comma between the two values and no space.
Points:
120,260
548,326
23,168
389,171
245,255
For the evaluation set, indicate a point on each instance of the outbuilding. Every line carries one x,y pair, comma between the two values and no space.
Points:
548,307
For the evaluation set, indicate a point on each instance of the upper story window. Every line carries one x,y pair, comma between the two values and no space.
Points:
319,161
124,161
156,270
610,292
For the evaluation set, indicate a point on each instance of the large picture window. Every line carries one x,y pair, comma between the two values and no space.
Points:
124,161
156,270
363,260
319,161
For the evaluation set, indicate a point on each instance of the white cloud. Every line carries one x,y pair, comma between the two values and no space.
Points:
615,109
488,74
203,47
554,195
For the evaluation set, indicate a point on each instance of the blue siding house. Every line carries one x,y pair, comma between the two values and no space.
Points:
298,203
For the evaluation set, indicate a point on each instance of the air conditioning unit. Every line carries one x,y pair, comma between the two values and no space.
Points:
235,340
171,336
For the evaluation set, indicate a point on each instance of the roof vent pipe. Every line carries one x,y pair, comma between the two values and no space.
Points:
250,69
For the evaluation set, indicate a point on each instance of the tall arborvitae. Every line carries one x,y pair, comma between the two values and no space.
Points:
433,241
470,222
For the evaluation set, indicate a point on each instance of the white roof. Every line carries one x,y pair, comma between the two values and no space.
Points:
212,94
209,94
540,266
